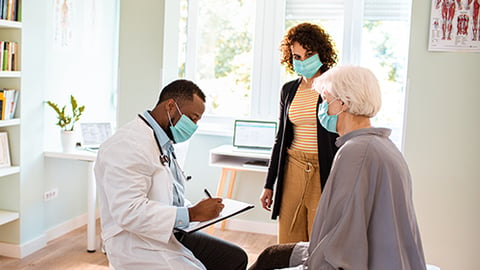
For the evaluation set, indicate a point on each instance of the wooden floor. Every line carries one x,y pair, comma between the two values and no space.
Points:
69,252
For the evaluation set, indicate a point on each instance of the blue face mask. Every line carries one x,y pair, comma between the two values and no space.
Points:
329,122
307,67
183,129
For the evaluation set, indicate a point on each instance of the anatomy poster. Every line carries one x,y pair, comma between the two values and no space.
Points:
454,26
63,22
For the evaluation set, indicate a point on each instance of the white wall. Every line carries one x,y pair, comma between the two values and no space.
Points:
83,67
30,195
140,57
442,147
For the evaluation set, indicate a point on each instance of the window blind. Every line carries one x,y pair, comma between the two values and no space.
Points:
397,10
313,9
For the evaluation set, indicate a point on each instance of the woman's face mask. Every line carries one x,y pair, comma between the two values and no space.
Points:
183,129
307,67
329,122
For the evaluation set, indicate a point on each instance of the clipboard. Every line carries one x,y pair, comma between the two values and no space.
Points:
232,208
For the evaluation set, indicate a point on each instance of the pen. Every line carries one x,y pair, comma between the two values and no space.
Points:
208,193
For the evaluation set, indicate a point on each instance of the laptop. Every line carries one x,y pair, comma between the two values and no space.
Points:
254,135
94,134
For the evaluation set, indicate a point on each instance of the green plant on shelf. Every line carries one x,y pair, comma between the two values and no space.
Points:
65,121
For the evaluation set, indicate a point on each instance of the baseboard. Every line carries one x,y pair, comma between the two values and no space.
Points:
66,227
251,226
23,250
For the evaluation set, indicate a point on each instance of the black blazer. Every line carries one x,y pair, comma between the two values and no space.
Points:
283,140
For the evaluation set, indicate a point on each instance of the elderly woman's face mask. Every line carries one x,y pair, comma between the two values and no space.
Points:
329,122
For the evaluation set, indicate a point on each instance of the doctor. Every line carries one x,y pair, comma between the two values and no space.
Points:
141,192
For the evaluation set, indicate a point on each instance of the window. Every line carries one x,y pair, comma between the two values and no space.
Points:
230,48
371,33
219,46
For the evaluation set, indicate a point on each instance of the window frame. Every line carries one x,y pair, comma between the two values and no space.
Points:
267,72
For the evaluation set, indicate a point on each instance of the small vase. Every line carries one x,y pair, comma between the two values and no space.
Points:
68,140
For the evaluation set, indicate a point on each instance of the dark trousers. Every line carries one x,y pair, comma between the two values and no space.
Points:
213,252
273,257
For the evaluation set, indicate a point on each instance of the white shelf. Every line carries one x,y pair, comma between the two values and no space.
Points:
10,24
10,122
225,156
9,170
82,155
229,150
10,74
7,216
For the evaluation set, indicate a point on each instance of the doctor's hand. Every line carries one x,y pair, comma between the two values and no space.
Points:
206,209
266,199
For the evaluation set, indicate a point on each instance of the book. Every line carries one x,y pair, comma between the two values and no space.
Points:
232,208
10,9
13,58
4,9
4,150
2,45
9,56
18,11
1,10
8,101
5,55
12,99
3,104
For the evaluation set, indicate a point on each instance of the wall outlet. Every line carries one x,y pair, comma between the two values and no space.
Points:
50,195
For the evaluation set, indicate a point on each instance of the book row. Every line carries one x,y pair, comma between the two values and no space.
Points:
8,103
11,10
8,56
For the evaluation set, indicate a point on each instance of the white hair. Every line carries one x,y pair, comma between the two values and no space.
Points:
356,86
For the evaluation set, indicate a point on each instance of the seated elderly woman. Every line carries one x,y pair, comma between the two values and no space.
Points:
365,219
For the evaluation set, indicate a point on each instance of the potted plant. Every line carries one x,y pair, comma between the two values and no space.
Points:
67,122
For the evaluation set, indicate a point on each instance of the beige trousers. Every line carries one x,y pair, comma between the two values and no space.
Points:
301,193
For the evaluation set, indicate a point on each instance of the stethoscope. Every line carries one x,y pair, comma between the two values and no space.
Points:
164,159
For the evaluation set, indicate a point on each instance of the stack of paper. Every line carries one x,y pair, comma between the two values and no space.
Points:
232,208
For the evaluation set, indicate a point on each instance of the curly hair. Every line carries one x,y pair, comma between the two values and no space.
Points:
313,38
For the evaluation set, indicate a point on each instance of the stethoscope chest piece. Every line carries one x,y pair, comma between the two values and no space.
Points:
164,159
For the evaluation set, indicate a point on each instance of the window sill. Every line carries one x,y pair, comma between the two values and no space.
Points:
216,126
213,129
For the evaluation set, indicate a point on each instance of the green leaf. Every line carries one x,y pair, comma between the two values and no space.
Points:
67,122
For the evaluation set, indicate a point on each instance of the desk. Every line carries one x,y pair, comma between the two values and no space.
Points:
231,161
89,157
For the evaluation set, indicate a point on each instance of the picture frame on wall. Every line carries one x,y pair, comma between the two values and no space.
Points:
454,26
4,150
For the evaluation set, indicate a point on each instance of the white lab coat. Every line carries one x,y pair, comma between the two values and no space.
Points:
135,195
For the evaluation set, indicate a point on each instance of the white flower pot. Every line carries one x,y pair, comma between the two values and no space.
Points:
68,140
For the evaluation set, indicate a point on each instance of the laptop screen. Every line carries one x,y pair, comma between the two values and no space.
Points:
254,134
94,134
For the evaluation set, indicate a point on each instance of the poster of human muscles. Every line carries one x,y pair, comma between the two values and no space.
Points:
454,26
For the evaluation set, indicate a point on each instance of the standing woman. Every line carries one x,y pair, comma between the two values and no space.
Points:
303,150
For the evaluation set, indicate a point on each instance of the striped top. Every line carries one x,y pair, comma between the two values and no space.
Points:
303,115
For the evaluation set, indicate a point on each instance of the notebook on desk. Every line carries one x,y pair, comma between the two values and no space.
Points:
254,135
